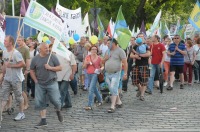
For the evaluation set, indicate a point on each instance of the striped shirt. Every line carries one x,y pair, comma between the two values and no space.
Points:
178,58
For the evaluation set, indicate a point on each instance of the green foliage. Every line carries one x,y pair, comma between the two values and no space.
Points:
133,11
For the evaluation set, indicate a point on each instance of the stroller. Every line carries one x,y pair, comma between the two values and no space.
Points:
105,92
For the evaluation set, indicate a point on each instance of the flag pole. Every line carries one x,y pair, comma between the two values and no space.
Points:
19,22
18,34
113,32
49,55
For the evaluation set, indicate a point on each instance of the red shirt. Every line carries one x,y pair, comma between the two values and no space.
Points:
157,53
95,65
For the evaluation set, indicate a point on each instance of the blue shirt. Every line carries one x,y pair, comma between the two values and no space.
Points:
178,58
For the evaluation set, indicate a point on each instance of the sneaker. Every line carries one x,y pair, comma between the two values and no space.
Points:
20,116
41,124
60,117
181,86
165,84
170,88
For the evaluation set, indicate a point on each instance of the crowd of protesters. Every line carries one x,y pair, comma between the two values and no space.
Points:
33,71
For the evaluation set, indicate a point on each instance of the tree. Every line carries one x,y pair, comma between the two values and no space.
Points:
134,11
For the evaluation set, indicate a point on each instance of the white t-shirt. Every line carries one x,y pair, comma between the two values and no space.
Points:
197,51
32,54
167,57
103,48
66,71
13,74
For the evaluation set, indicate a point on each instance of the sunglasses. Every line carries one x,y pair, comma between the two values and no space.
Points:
176,38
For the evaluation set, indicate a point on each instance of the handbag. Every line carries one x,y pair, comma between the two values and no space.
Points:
100,76
195,65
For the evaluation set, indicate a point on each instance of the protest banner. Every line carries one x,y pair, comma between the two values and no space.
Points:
72,21
41,19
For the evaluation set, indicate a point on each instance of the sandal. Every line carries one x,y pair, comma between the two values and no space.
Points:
88,108
119,105
142,98
138,94
99,104
111,110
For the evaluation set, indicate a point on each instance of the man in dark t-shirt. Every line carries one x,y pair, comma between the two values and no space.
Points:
140,70
43,72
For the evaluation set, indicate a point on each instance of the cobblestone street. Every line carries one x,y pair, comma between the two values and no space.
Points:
176,110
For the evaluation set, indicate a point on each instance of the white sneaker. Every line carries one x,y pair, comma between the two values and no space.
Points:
196,81
19,117
165,84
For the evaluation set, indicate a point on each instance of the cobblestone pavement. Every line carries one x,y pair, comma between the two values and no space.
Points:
176,110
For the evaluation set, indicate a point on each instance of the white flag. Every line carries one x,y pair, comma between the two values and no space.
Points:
61,50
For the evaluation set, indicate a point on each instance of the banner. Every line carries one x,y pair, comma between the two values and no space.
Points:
41,19
60,49
155,23
86,31
72,21
194,18
2,37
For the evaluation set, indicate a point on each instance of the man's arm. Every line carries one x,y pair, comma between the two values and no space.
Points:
74,69
33,76
124,62
19,64
183,52
147,54
51,68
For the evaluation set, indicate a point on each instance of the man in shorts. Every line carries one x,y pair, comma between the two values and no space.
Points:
141,70
114,58
43,72
176,51
12,76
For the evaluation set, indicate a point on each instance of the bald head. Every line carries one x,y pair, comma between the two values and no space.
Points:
44,49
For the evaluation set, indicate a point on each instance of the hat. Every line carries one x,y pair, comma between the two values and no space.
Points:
138,41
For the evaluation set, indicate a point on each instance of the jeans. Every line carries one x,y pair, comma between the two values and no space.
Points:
86,79
53,93
30,85
197,72
112,79
92,78
73,84
64,93
121,79
152,75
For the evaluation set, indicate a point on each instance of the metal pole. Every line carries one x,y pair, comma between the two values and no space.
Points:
13,8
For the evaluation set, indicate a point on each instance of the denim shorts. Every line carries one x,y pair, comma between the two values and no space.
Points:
113,79
16,87
53,93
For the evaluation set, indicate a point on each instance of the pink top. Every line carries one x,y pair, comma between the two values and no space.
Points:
95,65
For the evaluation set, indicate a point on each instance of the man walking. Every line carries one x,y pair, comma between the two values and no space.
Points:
157,60
176,51
45,78
12,76
113,66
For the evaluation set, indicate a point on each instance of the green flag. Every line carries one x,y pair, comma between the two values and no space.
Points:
181,29
122,31
100,28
